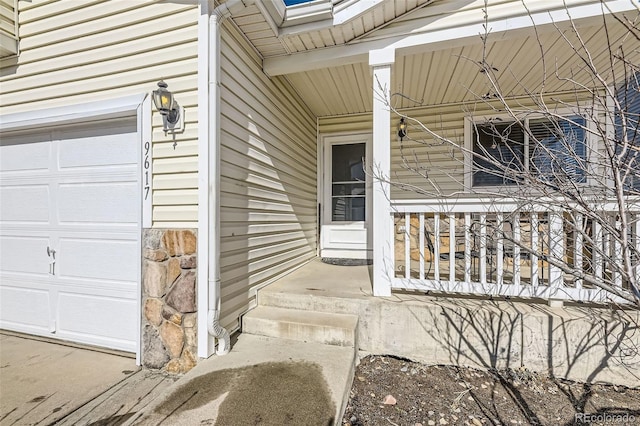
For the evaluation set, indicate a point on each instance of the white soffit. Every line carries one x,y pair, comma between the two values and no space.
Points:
441,28
317,24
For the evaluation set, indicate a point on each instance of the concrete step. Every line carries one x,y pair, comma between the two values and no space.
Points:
303,326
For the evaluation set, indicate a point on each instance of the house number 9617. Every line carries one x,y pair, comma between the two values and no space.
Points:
147,165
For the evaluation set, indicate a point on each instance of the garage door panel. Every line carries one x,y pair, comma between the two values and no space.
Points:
104,203
24,156
101,148
24,204
98,259
24,255
97,319
32,317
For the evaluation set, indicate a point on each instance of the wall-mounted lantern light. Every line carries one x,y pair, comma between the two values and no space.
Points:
402,129
172,113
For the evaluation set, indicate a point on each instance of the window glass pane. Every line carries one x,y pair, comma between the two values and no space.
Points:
499,149
557,149
348,209
628,97
347,162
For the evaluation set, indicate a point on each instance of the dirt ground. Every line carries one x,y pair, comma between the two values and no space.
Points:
391,391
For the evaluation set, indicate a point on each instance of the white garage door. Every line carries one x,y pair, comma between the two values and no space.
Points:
69,233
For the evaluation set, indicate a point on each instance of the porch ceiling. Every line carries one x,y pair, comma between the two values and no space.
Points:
441,73
453,75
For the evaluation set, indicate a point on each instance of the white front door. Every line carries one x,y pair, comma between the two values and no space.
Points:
346,197
70,233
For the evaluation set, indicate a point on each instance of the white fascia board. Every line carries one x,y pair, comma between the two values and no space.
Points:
111,108
351,9
342,13
426,41
8,45
275,9
303,13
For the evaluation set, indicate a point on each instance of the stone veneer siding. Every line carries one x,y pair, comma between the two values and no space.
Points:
169,326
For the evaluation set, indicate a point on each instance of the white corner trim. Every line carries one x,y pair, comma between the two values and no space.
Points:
111,108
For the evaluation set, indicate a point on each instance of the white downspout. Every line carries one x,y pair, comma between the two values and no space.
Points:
214,327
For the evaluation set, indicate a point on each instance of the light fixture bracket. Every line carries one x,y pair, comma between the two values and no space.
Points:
402,129
173,121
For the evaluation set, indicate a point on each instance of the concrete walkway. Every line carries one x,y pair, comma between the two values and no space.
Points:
263,381
42,382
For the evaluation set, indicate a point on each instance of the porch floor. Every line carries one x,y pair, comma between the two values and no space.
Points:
323,279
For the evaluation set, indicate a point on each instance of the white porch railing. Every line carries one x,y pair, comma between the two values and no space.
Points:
491,247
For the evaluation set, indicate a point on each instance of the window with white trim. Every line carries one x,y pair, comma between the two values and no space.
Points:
550,149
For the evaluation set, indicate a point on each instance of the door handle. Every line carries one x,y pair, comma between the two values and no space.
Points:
52,263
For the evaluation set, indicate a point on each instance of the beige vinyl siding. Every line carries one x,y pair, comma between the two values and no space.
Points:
443,164
8,27
268,183
73,52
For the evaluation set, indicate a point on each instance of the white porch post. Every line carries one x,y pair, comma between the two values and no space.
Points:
380,61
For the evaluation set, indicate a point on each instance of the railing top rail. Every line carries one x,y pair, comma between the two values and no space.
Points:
493,205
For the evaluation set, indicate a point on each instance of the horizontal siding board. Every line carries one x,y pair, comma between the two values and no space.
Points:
175,165
185,55
47,9
89,84
175,213
242,178
175,181
133,49
246,241
128,13
240,228
258,192
238,271
233,200
176,196
162,25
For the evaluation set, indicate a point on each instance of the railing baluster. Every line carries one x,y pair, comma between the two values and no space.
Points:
483,248
407,245
436,246
467,247
500,250
578,247
556,248
516,248
617,254
637,241
535,246
606,248
452,249
421,242
597,256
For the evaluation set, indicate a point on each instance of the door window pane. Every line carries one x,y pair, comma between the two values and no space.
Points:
347,182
